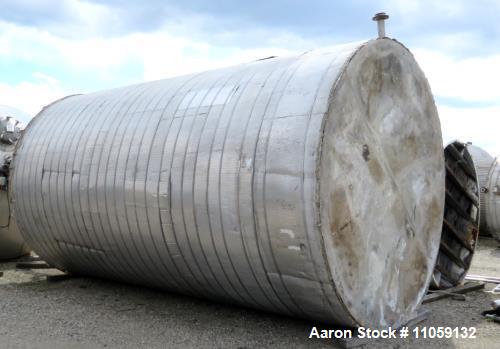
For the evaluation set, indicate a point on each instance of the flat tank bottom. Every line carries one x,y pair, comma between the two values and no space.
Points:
311,186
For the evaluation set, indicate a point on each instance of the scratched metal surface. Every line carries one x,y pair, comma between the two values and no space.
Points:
209,184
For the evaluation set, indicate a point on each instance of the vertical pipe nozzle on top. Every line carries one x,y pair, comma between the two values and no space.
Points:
380,19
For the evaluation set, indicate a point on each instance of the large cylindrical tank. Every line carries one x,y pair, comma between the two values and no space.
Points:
488,173
311,185
12,244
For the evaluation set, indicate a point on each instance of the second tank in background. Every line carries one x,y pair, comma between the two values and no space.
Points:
488,172
461,217
11,243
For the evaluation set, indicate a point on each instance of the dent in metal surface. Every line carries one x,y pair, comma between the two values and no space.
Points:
233,184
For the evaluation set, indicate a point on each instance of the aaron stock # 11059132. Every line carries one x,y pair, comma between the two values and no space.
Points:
361,332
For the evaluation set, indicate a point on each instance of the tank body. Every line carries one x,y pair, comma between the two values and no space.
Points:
488,173
483,162
492,201
311,186
12,244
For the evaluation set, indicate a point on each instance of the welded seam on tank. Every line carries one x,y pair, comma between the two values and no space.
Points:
24,206
37,204
181,187
218,286
207,205
162,155
108,117
21,163
74,115
70,235
141,120
118,237
331,99
169,190
302,191
257,139
237,178
262,264
76,155
78,238
170,166
49,230
127,129
265,214
125,271
264,160
101,109
241,86
100,113
139,114
219,187
187,286
41,238
194,177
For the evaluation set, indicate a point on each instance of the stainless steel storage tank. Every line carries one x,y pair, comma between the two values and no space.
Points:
488,173
461,217
12,244
311,186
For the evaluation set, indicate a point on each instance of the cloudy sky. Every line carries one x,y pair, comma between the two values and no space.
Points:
51,48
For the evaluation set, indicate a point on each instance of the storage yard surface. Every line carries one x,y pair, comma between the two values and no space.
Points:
93,313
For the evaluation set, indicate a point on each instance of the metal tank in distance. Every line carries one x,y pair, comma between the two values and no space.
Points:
488,171
11,242
311,186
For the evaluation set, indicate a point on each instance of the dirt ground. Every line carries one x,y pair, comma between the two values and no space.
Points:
92,313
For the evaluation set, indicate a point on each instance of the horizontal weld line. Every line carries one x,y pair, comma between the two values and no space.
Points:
89,249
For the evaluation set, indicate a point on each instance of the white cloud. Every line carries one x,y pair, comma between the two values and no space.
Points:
30,97
159,54
477,125
469,97
473,79
416,8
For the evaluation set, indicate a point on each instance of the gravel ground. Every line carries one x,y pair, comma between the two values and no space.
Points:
93,313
